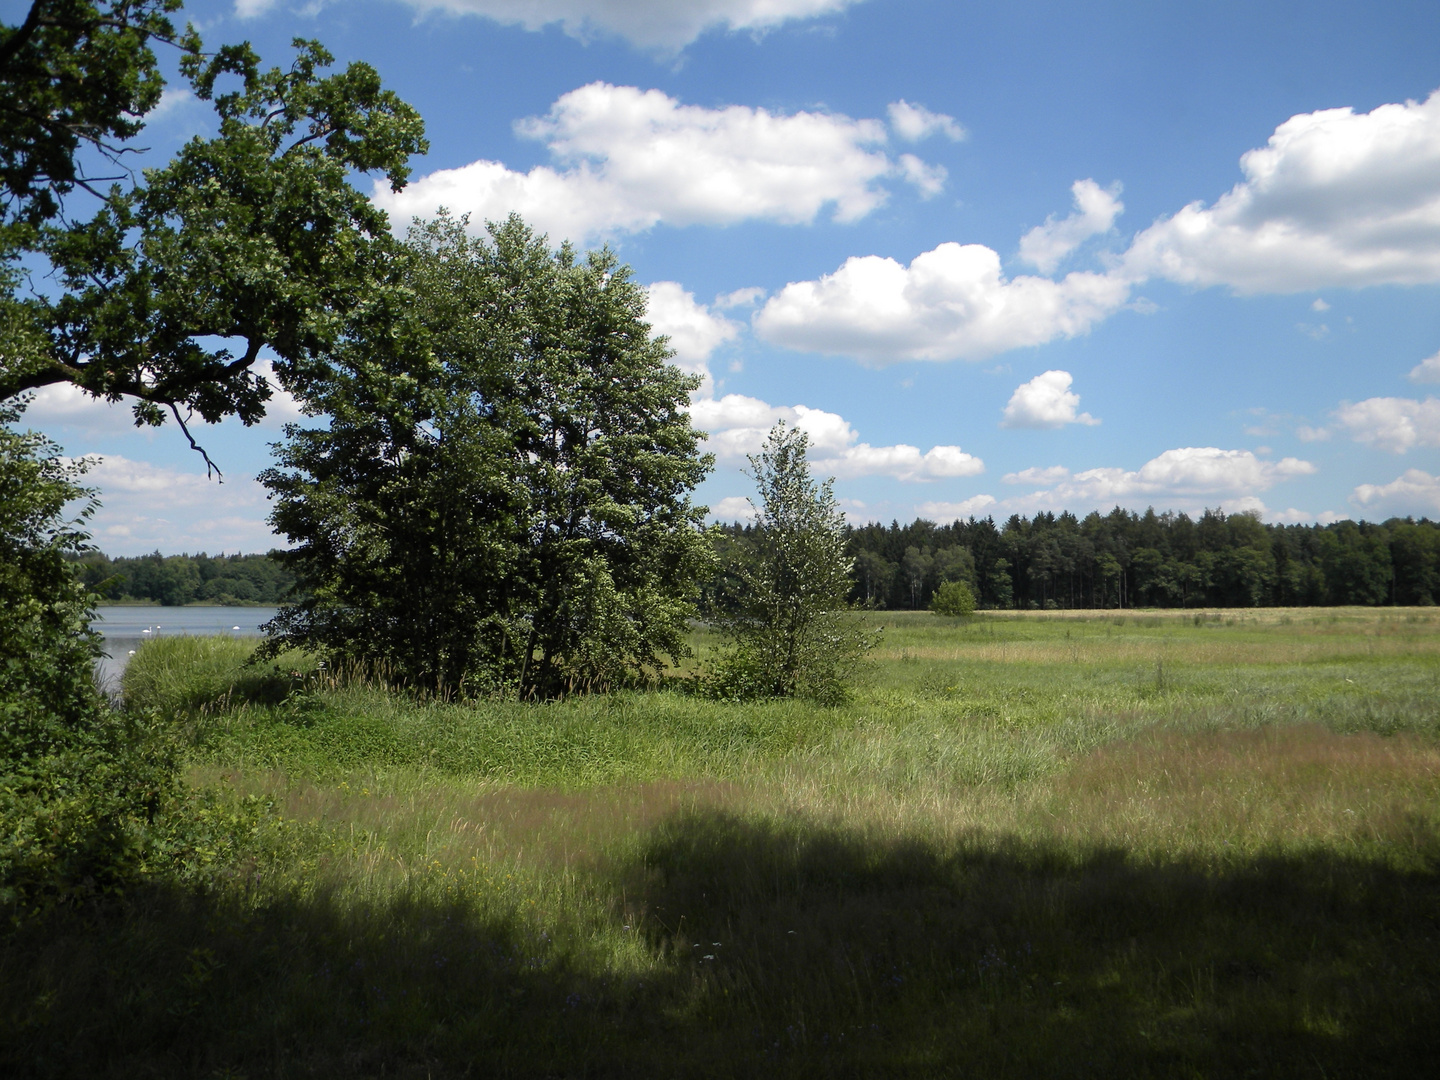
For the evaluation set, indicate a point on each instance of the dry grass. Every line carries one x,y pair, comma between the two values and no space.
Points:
1251,791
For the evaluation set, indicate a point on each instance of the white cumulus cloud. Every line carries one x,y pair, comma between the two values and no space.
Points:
1290,516
1035,476
1427,371
955,511
66,404
950,303
694,332
1096,209
903,462
628,159
1335,198
915,122
929,180
1046,401
1393,424
145,507
661,25
1184,472
1415,493
732,508
746,297
737,425
1187,478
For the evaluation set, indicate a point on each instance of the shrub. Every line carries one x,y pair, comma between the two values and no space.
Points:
953,598
81,786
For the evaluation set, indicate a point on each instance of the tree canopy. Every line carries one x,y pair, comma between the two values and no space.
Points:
165,288
500,500
788,618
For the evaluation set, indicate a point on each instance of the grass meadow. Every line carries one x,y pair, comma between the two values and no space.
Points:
1044,844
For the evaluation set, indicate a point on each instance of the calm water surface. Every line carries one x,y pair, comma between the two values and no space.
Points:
127,628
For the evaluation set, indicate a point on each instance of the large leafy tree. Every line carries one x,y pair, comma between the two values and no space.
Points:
165,288
500,500
792,630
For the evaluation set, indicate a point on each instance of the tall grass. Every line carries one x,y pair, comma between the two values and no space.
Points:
1189,844
185,674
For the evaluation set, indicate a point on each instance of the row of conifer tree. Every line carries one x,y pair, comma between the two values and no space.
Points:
1120,559
1125,559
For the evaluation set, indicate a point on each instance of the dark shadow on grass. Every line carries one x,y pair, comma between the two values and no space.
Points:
785,949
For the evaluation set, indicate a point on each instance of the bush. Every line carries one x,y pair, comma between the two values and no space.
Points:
953,598
81,786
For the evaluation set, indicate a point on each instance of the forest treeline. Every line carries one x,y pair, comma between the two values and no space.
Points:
174,580
1125,559
1120,559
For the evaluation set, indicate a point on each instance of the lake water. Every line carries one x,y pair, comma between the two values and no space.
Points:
125,629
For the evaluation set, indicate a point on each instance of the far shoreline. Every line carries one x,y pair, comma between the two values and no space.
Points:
189,604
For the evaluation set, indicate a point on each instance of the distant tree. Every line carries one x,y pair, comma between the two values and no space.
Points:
953,598
500,498
915,568
793,633
1355,559
875,573
1415,554
953,563
999,584
1055,560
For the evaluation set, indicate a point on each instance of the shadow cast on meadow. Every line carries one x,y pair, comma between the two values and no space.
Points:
773,947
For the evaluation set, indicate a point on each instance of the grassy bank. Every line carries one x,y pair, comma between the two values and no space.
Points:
1173,844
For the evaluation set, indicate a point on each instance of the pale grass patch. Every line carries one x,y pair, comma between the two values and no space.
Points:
1249,791
1223,652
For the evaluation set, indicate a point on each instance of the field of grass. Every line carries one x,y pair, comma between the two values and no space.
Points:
1123,844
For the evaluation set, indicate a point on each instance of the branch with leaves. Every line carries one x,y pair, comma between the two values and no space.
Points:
249,242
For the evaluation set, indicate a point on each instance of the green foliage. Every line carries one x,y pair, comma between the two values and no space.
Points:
1125,560
251,239
185,579
500,501
953,598
81,787
791,627
175,676
73,74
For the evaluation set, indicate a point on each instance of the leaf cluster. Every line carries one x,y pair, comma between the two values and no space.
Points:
251,239
75,74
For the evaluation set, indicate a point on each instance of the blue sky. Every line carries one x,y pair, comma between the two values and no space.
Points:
995,258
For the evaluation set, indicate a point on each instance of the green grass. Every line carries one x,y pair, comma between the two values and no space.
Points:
1130,844
186,675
